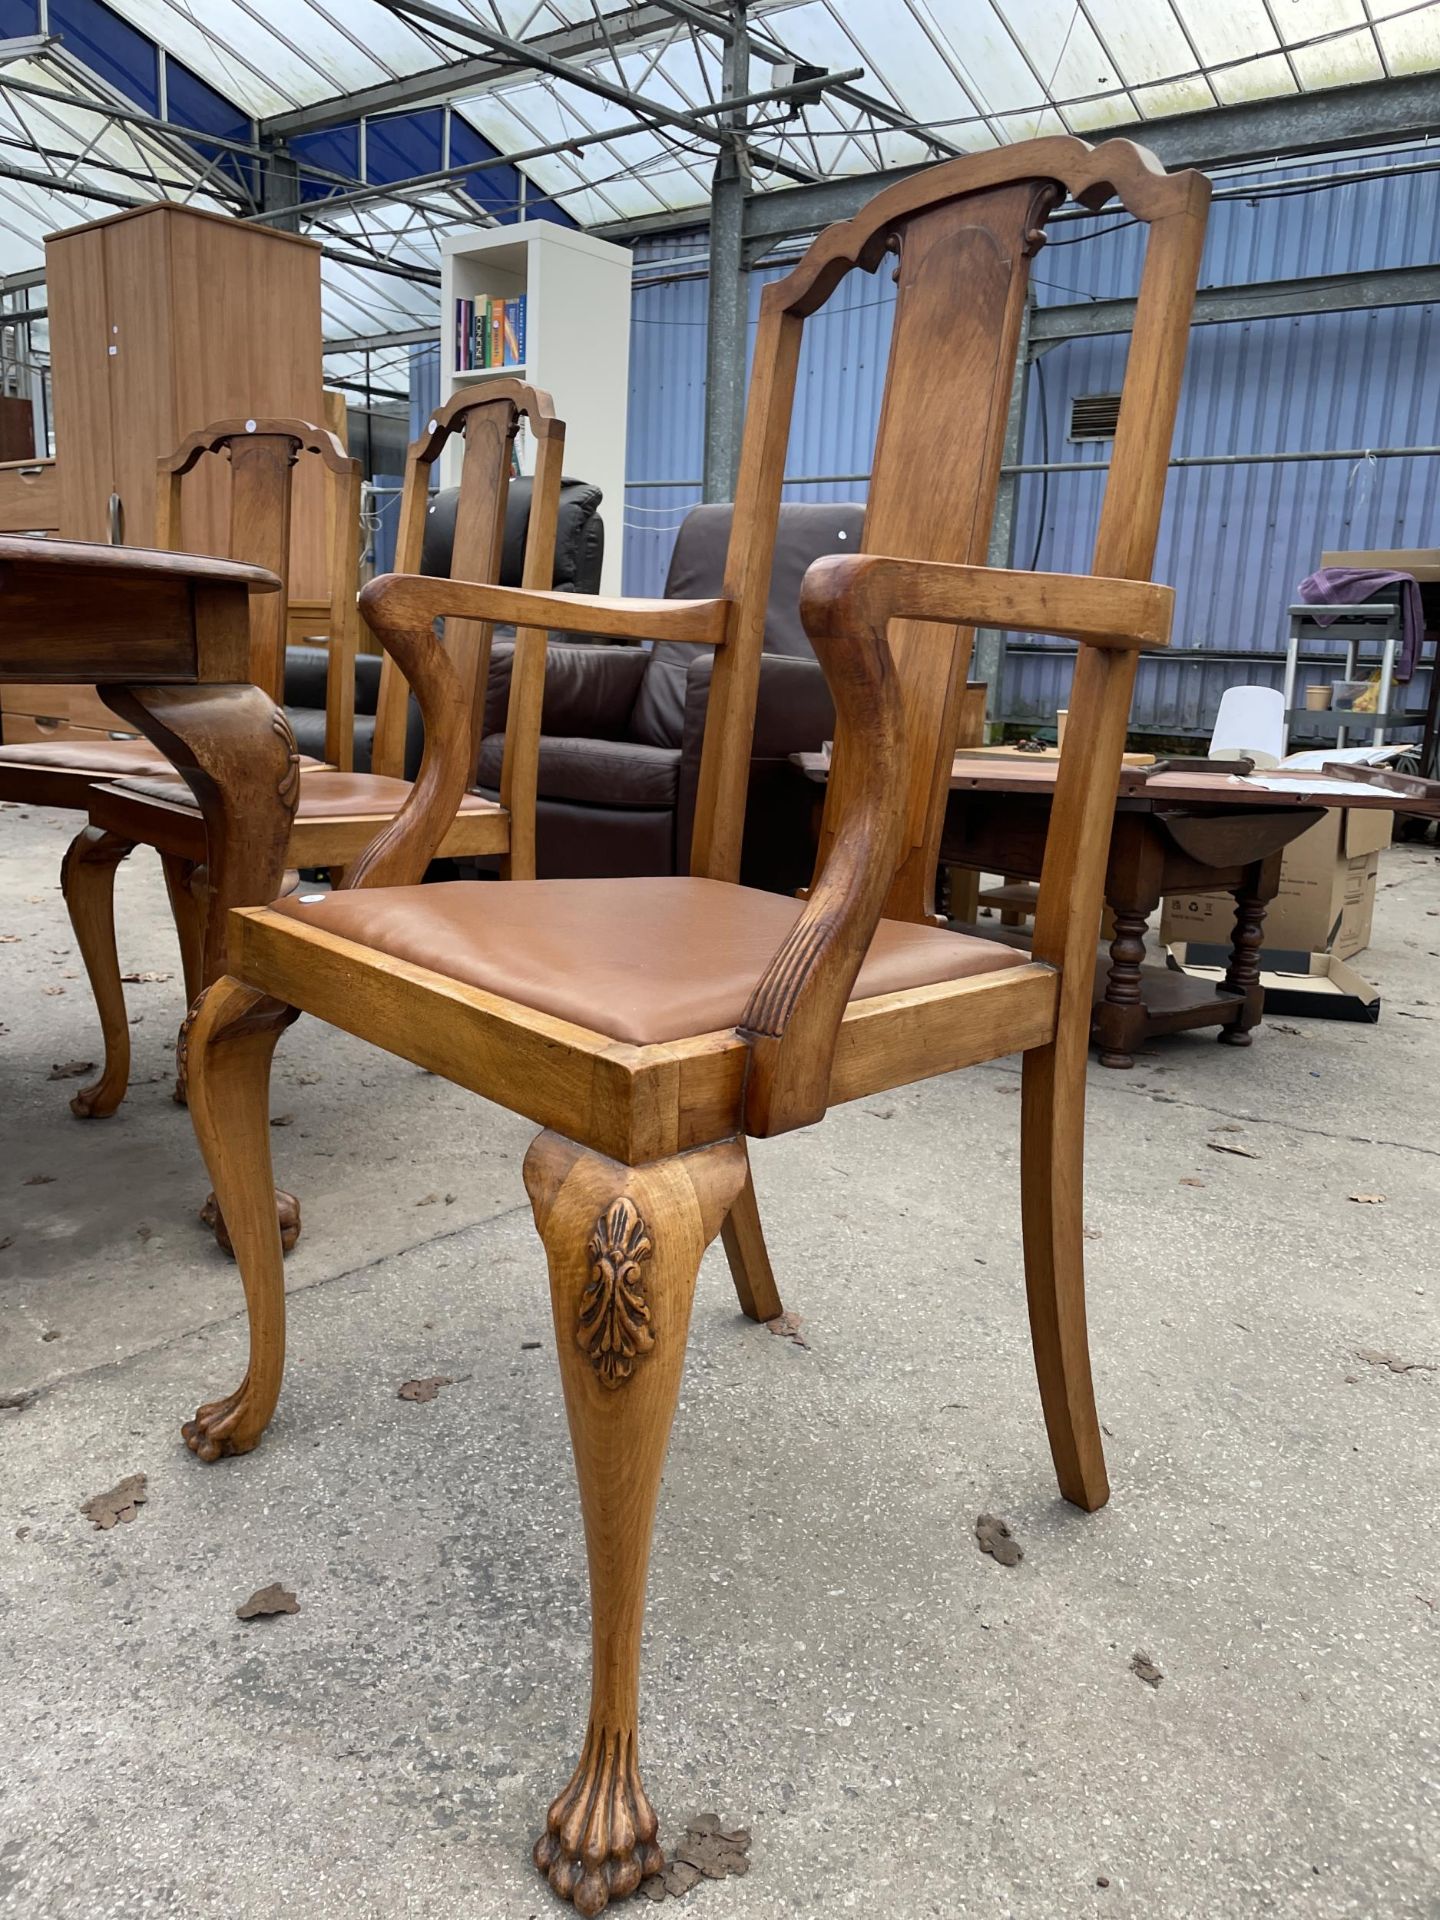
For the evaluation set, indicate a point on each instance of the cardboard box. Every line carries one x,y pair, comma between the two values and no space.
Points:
1326,989
1327,893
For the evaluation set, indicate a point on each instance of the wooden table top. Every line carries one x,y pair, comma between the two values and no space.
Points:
1422,563
1138,787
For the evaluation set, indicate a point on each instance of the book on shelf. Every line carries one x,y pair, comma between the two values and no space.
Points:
490,332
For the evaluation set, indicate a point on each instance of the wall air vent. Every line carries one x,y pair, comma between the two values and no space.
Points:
1093,416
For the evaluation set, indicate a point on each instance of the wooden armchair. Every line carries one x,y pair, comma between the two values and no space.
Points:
339,812
649,1025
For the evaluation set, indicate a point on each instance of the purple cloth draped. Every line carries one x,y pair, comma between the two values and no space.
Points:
1350,586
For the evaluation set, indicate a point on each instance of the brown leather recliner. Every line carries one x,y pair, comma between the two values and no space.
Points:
622,726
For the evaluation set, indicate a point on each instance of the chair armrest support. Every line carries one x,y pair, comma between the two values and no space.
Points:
404,848
793,1019
412,600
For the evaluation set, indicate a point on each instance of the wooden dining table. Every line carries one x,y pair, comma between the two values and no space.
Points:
165,639
1174,832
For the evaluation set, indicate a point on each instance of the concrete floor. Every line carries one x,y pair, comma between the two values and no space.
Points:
908,1728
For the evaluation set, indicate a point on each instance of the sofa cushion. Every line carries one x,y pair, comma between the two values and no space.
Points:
579,535
602,773
692,953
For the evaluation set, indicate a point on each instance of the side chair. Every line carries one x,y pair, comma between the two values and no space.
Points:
649,1025
339,811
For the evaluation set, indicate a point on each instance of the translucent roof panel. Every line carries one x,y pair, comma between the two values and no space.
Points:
603,112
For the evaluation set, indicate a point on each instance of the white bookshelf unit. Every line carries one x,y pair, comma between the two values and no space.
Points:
577,346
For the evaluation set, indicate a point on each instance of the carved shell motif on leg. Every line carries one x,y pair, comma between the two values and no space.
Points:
614,1324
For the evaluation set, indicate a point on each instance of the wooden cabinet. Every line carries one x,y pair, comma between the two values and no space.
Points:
162,320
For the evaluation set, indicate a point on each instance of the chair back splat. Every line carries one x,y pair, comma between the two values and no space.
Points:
489,419
262,457
961,237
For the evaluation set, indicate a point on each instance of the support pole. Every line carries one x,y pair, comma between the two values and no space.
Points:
727,337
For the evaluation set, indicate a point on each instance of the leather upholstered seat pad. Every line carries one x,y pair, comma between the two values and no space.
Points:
110,758
325,794
641,960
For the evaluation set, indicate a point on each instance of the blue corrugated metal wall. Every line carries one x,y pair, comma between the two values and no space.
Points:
1235,539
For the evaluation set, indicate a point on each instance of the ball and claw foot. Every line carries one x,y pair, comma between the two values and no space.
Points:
599,1841
286,1206
211,1433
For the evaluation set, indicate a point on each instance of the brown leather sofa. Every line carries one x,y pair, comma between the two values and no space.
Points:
622,726
579,553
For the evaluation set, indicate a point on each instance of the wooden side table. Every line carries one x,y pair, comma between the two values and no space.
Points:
165,637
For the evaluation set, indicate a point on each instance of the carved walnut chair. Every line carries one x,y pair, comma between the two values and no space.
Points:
649,1025
339,812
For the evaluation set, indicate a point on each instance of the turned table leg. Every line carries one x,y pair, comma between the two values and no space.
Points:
1132,893
1242,972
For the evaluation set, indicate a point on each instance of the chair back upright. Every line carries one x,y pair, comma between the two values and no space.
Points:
488,418
962,235
262,455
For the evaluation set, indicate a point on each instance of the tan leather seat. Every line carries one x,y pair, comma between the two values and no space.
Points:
324,795
107,759
642,960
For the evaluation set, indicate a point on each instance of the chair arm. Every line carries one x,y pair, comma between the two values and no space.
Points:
412,600
404,848
793,1017
846,602
849,589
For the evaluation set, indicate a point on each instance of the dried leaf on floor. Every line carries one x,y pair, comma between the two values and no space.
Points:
1368,1199
17,1402
282,1119
1374,1357
708,1851
992,1536
1279,1026
787,1326
428,1200
266,1601
145,978
308,1079
1144,1668
1189,1180
1092,1233
424,1389
54,992
41,1180
6,1240
9,939
1230,1146
119,1505
70,1069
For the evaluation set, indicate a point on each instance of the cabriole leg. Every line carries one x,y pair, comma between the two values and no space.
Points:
226,1047
87,880
624,1247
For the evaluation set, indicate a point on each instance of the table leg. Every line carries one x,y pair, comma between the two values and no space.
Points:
1242,972
1132,893
233,748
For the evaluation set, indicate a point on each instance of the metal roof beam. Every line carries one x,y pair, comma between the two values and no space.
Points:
528,54
437,84
765,47
1266,300
1377,113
